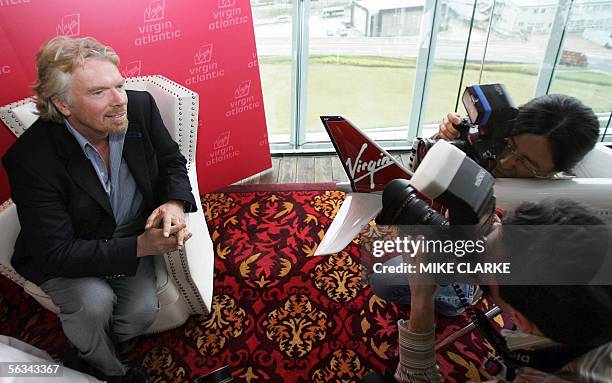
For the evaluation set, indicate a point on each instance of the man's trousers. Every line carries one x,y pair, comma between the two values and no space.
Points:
97,313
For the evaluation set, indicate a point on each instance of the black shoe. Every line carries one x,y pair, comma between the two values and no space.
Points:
134,374
73,360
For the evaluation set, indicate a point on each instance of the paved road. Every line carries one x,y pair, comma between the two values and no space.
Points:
403,48
275,39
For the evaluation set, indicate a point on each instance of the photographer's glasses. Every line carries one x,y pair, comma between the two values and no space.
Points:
510,149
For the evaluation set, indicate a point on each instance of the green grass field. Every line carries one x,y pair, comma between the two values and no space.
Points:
376,92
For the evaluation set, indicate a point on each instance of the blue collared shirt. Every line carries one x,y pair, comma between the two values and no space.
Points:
125,199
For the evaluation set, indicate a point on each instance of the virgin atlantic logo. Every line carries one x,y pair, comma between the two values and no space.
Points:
264,140
8,3
222,150
227,15
243,101
222,141
204,67
132,69
156,28
243,89
155,11
360,169
203,55
253,63
69,25
226,3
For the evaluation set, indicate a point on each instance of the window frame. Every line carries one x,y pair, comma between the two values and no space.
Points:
427,39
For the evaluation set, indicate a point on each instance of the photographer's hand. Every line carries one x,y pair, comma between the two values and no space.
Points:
417,355
422,294
446,130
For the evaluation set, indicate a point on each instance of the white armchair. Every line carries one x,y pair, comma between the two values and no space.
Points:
184,278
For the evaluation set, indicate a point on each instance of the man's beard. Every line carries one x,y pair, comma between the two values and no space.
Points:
118,128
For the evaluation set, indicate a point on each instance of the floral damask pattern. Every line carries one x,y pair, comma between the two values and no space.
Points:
227,321
265,237
215,204
328,203
339,277
279,314
161,364
344,366
379,328
296,326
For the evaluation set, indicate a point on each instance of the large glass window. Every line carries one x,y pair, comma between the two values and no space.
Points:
584,68
506,45
361,64
273,34
395,66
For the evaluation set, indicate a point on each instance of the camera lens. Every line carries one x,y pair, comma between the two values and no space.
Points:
418,212
402,206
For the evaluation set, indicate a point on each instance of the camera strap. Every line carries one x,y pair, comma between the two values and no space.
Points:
547,359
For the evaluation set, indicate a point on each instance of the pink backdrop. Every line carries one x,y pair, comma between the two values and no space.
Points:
207,46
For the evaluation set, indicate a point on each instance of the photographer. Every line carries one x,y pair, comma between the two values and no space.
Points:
575,317
549,134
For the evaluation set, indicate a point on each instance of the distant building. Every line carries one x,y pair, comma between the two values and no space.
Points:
380,18
512,17
462,10
591,14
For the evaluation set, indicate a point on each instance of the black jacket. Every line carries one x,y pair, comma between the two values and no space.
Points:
66,219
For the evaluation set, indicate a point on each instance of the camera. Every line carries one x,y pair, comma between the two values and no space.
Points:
451,178
491,113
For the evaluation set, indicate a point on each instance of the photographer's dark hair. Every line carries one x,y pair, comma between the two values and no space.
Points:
571,127
569,314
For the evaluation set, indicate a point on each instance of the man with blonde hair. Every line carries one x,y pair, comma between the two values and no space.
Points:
99,186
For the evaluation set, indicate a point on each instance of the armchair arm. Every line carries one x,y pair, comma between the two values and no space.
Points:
192,269
8,236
